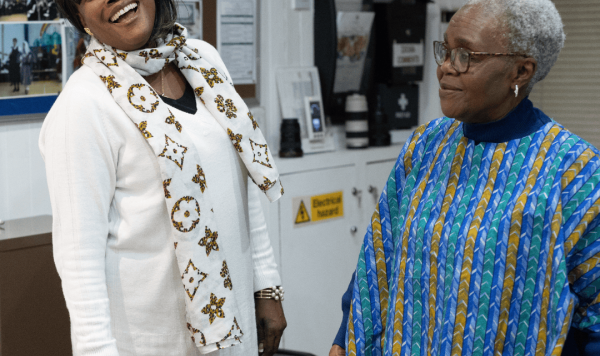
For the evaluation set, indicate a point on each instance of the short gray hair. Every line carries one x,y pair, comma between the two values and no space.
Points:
535,28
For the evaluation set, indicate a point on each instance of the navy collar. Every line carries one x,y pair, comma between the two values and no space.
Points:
522,121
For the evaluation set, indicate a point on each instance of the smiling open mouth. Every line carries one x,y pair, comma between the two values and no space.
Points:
129,8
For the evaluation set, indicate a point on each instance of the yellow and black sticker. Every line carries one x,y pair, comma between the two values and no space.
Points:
302,216
322,207
327,206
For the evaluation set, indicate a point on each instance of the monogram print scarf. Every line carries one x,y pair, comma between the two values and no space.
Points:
206,283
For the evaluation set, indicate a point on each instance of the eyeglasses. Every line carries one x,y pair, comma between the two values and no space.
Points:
460,58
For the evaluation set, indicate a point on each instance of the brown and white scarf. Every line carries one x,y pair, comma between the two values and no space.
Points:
210,301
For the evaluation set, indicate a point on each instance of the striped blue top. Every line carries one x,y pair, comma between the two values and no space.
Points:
480,246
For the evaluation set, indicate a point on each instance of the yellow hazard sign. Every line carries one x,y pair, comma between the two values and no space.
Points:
302,215
308,210
327,206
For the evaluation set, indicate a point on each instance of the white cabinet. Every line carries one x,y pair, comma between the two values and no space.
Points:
317,260
376,175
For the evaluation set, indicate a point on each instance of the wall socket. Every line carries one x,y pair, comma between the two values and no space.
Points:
301,4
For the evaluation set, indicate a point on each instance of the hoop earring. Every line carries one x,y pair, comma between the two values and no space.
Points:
88,31
516,90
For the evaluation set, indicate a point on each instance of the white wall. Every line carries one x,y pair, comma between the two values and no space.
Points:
286,40
429,98
23,187
450,5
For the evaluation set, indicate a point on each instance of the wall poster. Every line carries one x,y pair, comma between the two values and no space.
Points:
32,65
236,38
354,30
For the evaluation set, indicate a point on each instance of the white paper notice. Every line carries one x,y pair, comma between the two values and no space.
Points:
407,54
354,30
237,39
295,84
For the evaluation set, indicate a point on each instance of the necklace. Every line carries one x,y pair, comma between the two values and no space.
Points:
162,83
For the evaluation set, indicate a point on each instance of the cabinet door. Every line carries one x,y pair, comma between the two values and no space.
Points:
317,260
376,176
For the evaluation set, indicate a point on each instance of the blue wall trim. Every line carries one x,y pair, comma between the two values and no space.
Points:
33,105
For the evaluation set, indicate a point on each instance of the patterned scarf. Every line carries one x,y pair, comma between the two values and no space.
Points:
210,302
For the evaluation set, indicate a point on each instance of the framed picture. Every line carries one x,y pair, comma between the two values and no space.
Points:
32,66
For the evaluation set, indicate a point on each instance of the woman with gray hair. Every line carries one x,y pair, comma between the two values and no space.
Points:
486,238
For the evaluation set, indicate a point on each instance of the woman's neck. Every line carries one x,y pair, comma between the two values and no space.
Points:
168,82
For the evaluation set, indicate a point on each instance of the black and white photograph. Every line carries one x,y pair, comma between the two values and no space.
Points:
28,10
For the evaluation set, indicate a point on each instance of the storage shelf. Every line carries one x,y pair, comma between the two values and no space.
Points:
339,158
343,156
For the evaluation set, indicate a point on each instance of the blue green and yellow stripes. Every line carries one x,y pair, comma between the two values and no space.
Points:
465,275
451,188
478,248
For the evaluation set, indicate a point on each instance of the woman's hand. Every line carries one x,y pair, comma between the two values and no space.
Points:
336,350
270,323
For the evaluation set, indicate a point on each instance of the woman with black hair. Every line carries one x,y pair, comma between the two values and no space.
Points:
14,66
151,155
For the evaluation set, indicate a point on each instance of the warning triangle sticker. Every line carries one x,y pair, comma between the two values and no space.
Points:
302,215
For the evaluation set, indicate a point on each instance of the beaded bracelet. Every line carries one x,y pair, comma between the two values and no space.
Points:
270,293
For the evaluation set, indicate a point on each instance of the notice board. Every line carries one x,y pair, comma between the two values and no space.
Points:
210,26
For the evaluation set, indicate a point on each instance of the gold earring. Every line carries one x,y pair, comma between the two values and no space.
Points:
88,31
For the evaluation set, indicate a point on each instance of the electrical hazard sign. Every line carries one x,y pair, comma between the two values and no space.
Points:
302,215
327,206
322,207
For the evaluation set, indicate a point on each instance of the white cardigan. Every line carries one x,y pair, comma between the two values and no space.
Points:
111,240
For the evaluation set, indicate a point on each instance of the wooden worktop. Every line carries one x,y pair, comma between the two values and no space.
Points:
26,232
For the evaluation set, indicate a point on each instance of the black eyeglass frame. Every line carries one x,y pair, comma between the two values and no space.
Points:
470,53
